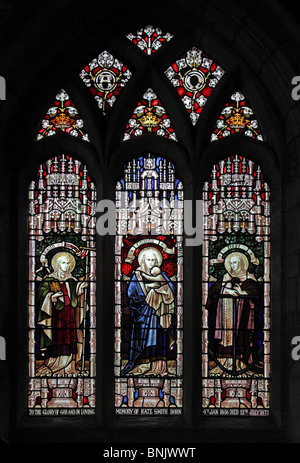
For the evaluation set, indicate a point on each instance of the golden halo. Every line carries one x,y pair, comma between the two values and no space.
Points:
65,254
239,254
155,251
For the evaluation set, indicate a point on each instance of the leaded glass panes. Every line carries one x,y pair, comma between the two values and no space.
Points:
237,117
236,290
149,289
105,77
62,116
149,116
62,288
194,76
149,39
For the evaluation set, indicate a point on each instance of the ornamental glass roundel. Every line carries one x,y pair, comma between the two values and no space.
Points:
194,80
106,81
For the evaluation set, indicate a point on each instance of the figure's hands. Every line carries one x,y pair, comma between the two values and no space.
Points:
238,289
56,295
84,285
231,292
154,285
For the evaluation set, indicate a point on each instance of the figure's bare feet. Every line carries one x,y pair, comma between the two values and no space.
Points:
140,370
72,371
151,372
43,371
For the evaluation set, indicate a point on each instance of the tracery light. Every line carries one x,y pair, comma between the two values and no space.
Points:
237,117
149,39
149,116
105,77
62,116
149,289
236,290
194,76
62,288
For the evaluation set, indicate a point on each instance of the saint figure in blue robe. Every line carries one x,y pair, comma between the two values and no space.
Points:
152,302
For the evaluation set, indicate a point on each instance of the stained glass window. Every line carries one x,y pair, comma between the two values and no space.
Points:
105,77
62,310
236,290
149,289
237,117
62,116
149,39
194,76
149,116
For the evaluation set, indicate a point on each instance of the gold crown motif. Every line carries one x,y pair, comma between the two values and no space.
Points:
62,121
237,122
149,120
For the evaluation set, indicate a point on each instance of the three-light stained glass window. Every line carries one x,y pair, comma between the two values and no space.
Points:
148,253
149,289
